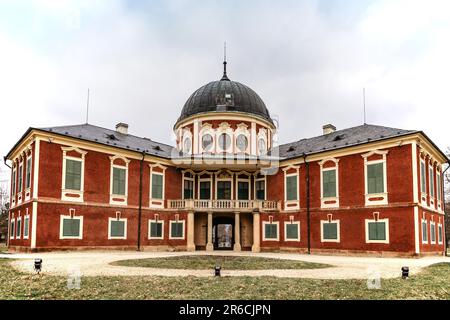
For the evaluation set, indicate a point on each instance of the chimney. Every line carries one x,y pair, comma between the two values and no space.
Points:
122,128
328,128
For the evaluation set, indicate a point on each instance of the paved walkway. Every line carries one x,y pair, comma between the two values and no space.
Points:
96,263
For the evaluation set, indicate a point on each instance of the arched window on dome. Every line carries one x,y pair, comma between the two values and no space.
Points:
224,139
242,139
206,136
187,142
262,142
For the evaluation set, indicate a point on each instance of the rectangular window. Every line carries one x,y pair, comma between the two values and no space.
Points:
424,231
433,232
431,182
156,229
73,174
20,178
224,190
329,183
119,181
423,181
271,231
117,228
243,192
177,229
438,186
28,174
260,188
291,188
19,228
188,189
292,231
157,186
205,190
440,233
330,231
26,226
12,229
377,231
13,182
375,178
71,227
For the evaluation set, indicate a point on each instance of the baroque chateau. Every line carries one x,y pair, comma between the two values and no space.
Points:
226,185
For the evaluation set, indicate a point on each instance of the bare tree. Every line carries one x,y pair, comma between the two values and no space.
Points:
4,207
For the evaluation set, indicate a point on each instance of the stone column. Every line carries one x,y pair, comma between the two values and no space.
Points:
190,231
256,232
237,232
209,244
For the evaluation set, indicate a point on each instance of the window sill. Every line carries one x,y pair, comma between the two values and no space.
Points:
374,199
331,202
157,203
291,205
118,199
72,195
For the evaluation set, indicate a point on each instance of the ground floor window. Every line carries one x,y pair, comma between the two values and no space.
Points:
440,233
176,229
292,231
12,229
155,229
330,231
377,231
19,228
71,227
432,232
270,231
424,231
117,228
26,226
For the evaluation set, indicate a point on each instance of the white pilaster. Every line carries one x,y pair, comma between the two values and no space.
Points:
237,232
209,244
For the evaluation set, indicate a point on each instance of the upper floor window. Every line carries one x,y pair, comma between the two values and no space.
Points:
157,186
188,185
423,181
28,174
438,186
260,188
243,190
73,174
19,185
119,181
223,190
291,188
431,177
375,178
13,182
329,183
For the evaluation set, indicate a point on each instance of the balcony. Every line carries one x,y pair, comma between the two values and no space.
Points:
224,205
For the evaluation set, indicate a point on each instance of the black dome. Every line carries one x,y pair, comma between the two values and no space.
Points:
225,95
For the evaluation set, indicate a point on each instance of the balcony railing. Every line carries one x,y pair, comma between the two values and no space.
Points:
224,205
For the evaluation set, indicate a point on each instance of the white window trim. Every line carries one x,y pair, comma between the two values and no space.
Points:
110,219
262,135
65,191
230,179
338,227
12,228
277,223
255,180
286,223
26,217
423,194
438,190
291,204
158,203
188,179
242,129
224,127
61,218
150,221
19,228
13,185
386,225
248,180
433,225
170,229
123,199
442,234
29,164
383,195
324,200
207,129
210,180
187,135
431,183
428,231
20,181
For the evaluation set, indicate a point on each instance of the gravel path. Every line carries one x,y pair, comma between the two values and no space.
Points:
96,263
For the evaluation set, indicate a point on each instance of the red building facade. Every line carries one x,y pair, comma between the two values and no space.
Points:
227,185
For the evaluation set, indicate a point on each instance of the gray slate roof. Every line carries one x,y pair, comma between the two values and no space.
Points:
339,139
113,138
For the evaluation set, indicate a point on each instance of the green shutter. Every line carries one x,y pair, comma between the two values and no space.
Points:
375,178
243,190
205,190
271,231
291,188
156,229
424,231
71,227
157,186
377,230
329,183
119,181
73,174
176,229
117,228
292,231
330,231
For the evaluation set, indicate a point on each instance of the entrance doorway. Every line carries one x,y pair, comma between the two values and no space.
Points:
223,233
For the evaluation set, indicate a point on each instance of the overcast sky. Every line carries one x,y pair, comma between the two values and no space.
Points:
308,60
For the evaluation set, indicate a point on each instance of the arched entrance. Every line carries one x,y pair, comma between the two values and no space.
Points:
223,233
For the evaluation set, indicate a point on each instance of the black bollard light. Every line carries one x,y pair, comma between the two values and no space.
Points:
217,271
38,265
405,272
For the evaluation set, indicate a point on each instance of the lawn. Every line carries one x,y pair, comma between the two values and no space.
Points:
432,283
3,247
226,262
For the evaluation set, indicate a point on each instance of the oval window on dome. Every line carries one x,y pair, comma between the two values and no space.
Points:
207,142
262,146
187,145
242,142
224,141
